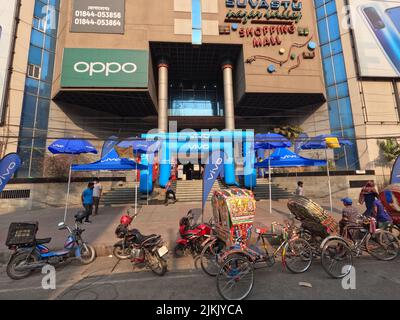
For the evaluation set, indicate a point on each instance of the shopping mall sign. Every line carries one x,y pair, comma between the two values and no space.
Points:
262,11
104,68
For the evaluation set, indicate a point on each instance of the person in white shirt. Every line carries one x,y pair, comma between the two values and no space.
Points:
97,191
300,189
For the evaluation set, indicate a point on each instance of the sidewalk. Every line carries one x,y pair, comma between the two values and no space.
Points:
158,219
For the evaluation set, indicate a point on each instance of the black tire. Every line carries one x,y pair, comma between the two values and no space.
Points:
382,245
297,255
237,272
394,229
16,260
156,264
337,258
122,253
209,257
88,254
179,251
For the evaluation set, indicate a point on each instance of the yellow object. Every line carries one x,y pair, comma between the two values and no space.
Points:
332,143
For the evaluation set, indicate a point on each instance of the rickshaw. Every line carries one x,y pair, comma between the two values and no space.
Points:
231,257
337,250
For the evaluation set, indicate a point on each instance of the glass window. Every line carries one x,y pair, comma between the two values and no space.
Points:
330,8
50,43
343,90
333,24
45,89
328,70
336,47
35,56
37,38
323,32
42,116
47,67
40,9
340,69
28,111
320,13
196,22
31,86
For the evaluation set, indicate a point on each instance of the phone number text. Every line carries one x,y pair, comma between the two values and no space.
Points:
100,14
98,22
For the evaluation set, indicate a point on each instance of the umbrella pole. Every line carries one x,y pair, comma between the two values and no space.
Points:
67,198
136,189
329,180
270,186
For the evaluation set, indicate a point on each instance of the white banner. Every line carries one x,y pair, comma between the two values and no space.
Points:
7,20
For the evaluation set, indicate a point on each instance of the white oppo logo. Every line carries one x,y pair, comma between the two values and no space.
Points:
101,67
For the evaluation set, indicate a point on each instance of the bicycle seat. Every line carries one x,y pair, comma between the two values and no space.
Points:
43,241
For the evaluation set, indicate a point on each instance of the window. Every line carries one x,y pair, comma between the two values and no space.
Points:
33,71
196,22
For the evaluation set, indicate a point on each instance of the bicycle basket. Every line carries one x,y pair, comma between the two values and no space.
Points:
21,233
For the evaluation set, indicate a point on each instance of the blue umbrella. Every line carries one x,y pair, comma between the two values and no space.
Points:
71,146
319,142
269,141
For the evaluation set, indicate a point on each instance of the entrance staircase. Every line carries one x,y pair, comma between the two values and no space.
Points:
191,190
261,191
121,195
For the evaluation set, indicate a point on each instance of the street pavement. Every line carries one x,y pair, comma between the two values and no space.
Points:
107,278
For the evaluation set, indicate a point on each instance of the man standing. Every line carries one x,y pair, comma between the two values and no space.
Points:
87,200
97,192
300,189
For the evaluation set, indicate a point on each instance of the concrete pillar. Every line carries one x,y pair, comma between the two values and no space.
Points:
162,96
228,96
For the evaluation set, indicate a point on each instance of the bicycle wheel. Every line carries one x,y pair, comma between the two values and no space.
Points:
209,257
393,229
297,255
235,279
382,245
337,258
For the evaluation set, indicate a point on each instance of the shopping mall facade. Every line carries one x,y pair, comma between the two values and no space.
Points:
98,68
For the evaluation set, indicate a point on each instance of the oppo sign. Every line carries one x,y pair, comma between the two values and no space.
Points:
106,68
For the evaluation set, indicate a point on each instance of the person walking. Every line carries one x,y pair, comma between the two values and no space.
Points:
97,192
368,195
300,189
87,200
169,191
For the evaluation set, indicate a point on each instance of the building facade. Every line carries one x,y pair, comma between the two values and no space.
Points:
101,68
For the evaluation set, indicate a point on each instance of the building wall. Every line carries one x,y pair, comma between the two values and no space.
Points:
171,21
10,130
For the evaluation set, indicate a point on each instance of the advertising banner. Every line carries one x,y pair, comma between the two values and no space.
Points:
376,27
7,20
8,166
104,68
98,16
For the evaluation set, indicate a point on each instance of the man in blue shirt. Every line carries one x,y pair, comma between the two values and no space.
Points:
87,200
382,217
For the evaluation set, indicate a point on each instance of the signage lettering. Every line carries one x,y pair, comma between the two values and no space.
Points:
263,4
214,170
107,68
8,172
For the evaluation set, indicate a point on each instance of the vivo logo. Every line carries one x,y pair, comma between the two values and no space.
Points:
105,68
9,171
214,171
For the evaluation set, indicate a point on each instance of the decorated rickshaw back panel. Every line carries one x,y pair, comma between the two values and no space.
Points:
234,211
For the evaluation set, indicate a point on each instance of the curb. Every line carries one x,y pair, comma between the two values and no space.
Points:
101,251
